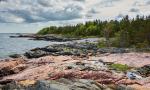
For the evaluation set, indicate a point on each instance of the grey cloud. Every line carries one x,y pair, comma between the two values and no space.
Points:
148,2
108,3
134,10
142,3
3,0
93,11
46,3
69,12
80,0
24,14
39,11
10,18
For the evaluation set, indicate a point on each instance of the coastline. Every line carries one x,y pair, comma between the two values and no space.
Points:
77,63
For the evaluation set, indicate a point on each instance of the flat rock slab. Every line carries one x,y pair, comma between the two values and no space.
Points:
130,59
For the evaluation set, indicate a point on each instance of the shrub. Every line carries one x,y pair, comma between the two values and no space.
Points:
145,44
101,44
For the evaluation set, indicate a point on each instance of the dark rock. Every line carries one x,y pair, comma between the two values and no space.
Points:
50,49
12,86
35,54
39,52
75,49
15,56
112,50
4,82
23,36
13,36
65,53
86,46
79,63
55,38
144,71
52,38
124,87
6,71
61,84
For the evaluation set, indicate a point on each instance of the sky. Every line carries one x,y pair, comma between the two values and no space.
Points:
29,16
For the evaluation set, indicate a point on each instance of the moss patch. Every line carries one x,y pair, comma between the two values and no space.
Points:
119,67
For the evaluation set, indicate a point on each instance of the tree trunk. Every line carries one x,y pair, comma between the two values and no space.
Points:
106,35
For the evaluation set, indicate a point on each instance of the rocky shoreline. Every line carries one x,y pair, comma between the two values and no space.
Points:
51,37
76,66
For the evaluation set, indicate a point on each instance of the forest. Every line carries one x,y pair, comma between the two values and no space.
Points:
126,32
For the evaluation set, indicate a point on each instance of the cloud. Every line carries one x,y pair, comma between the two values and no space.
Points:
148,2
80,0
10,18
108,3
39,10
142,2
34,11
134,10
92,11
3,0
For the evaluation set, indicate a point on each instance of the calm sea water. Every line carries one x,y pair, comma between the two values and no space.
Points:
10,46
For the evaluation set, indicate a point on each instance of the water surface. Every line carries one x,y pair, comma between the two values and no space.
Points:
10,46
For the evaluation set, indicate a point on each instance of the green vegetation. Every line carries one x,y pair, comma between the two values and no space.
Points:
119,67
101,44
127,32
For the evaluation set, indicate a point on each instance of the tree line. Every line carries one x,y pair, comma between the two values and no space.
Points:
125,32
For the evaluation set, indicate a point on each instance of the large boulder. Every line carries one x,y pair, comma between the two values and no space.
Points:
35,54
39,52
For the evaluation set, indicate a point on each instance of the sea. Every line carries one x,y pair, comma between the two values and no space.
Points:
9,46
